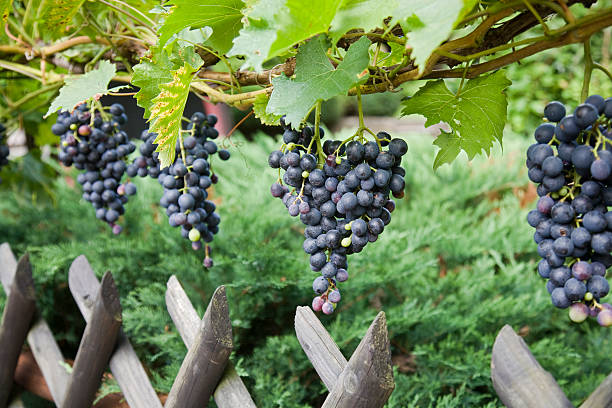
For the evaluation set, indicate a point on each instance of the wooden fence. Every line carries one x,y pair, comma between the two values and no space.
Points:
365,380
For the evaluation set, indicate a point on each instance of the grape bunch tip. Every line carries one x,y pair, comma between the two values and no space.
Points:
341,192
571,162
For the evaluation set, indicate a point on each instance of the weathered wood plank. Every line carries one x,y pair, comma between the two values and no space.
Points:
16,318
367,380
518,378
96,346
124,363
8,266
206,359
601,397
231,391
322,351
40,338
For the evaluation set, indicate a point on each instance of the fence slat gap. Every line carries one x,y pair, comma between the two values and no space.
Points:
124,363
16,318
207,357
231,391
40,338
322,351
367,380
518,378
96,346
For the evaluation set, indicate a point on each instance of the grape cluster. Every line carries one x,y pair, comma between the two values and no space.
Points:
186,181
341,192
572,162
4,150
92,140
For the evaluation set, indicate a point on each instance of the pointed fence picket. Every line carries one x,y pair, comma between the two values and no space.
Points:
366,380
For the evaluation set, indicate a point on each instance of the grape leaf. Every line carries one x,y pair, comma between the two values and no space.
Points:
273,26
79,89
5,9
157,70
222,16
429,23
167,112
57,14
257,34
316,79
259,108
476,115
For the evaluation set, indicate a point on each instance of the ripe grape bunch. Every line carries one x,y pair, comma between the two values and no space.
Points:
572,162
4,150
92,140
186,181
341,192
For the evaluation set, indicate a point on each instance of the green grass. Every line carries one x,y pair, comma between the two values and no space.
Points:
456,263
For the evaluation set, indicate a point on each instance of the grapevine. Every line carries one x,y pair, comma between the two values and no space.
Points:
572,162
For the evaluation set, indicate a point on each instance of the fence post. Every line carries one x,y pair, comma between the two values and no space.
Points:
230,392
602,396
44,347
323,353
367,379
518,378
16,318
96,346
124,363
206,358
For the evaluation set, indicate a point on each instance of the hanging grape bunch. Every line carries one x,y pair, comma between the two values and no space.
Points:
572,162
4,150
341,192
186,181
92,140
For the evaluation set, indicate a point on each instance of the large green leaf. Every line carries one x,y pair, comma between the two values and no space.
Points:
83,87
476,115
57,14
316,79
222,16
167,112
273,26
365,14
428,23
157,70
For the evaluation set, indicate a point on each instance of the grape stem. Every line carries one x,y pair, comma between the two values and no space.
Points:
588,68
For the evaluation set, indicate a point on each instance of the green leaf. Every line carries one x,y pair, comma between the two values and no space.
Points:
430,23
476,115
157,70
57,14
274,26
5,9
167,112
259,108
222,16
257,34
83,87
365,14
316,79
